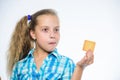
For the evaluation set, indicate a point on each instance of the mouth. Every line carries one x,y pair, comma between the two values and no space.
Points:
52,43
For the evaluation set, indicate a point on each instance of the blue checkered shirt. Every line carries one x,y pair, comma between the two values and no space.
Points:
54,67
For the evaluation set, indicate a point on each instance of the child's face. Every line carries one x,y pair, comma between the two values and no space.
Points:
47,32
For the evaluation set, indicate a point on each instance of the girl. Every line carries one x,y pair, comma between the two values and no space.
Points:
33,54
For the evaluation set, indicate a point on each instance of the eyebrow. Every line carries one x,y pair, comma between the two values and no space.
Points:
48,26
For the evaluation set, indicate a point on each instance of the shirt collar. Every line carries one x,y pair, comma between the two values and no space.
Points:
53,53
31,52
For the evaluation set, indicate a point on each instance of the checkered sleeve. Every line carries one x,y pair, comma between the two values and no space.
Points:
69,69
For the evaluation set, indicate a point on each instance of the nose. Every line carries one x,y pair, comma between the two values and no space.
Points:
52,34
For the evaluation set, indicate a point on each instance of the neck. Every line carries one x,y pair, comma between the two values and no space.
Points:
40,53
39,56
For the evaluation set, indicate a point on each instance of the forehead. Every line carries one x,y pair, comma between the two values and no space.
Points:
47,17
48,20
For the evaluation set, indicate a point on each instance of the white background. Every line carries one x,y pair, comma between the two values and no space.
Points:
96,20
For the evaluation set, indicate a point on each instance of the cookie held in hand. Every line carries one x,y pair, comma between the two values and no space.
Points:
89,45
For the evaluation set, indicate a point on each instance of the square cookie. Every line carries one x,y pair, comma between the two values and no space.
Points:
89,45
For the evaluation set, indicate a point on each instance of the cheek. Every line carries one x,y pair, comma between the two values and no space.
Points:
41,37
58,37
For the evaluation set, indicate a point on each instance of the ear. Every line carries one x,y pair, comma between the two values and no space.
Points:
32,34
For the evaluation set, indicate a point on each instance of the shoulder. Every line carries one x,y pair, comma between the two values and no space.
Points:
62,58
23,62
26,59
19,64
67,60
68,65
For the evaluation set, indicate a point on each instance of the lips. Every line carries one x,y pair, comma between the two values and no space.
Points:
52,43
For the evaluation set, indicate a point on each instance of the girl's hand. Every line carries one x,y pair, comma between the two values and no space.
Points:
86,60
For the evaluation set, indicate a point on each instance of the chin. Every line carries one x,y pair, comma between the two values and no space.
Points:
50,50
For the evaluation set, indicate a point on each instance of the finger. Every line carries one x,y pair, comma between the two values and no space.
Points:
90,56
90,61
89,53
83,61
87,60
